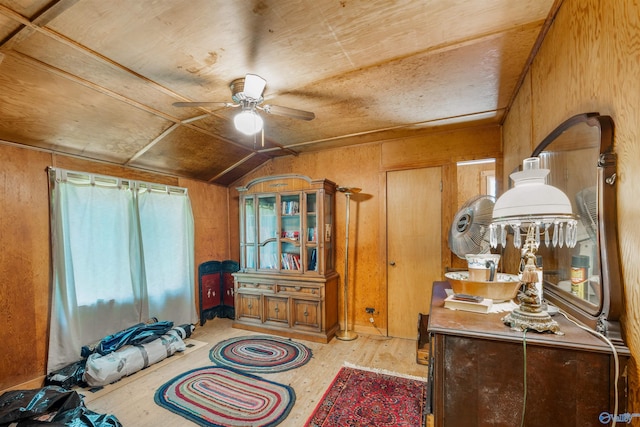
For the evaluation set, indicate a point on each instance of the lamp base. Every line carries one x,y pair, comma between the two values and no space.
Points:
540,322
346,335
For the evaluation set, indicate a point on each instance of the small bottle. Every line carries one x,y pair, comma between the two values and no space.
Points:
579,268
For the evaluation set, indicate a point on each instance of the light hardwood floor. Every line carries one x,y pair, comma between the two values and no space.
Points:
131,399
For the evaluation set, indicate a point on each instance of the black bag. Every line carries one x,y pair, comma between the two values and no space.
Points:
69,376
49,406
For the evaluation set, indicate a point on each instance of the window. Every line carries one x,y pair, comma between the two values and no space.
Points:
122,253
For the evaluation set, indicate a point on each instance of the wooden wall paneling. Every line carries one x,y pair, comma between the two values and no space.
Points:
442,147
470,181
589,61
517,133
209,204
620,91
449,209
211,224
24,264
570,68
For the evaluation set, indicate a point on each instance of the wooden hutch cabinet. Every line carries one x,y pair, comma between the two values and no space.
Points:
287,283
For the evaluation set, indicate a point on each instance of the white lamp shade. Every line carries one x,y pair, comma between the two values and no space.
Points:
531,197
248,122
253,86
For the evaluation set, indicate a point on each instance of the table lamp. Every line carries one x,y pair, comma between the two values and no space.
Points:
541,212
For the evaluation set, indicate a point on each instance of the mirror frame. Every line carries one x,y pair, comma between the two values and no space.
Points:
607,318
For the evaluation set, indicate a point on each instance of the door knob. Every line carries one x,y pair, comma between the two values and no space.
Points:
392,263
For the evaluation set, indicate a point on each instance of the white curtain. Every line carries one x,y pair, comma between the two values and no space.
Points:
166,223
122,252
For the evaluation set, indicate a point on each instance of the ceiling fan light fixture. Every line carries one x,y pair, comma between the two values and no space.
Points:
254,86
248,122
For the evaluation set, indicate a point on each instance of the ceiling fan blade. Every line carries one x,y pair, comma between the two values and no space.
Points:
254,86
202,104
289,112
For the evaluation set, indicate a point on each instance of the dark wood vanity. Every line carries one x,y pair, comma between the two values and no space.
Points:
477,372
483,373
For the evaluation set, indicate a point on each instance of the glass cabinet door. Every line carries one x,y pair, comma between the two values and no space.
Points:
267,232
328,234
249,230
290,232
287,230
311,235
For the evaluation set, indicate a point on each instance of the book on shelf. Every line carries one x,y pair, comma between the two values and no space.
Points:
291,261
293,235
477,307
313,261
312,234
290,207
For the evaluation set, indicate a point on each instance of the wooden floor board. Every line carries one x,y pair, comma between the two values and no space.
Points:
131,399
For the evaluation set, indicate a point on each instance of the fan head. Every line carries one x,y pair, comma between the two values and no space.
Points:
587,203
468,233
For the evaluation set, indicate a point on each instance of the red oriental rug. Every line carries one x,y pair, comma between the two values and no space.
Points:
365,398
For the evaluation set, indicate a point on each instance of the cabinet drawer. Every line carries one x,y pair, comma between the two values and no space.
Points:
300,290
259,287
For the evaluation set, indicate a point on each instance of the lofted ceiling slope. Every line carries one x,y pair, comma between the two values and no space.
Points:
97,79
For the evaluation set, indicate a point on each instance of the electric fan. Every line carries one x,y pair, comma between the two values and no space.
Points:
587,203
470,226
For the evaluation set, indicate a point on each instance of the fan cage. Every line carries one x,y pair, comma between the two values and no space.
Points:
469,230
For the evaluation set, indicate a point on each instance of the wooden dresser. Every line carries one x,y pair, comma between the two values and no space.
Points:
477,375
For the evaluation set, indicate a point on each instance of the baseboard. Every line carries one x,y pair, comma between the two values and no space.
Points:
37,382
370,330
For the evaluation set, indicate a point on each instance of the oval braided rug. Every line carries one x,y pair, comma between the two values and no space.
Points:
221,397
260,354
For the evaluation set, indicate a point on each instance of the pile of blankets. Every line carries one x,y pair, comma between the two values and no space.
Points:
123,353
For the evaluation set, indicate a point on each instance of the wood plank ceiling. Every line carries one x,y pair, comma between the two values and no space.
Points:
97,79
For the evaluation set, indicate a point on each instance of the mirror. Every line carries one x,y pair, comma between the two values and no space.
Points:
585,281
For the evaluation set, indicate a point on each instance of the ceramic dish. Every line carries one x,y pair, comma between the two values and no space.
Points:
504,288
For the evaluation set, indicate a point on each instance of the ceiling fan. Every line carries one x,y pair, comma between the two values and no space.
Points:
246,93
